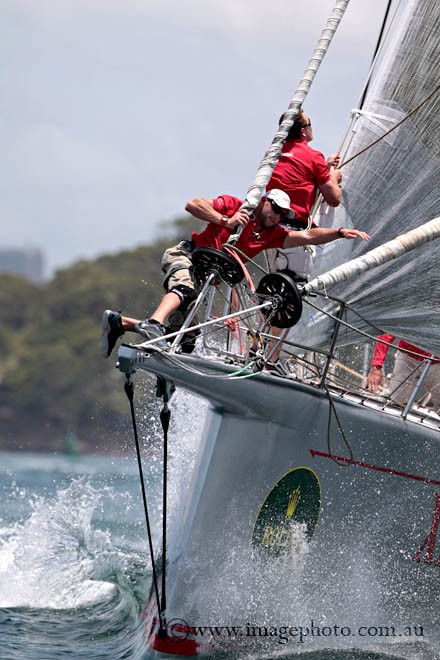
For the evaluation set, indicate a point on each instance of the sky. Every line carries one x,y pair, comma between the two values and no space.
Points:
115,113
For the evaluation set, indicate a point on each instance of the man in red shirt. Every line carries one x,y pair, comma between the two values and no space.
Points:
260,231
301,171
406,373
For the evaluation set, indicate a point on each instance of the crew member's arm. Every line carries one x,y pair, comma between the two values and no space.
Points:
203,209
375,378
331,190
320,235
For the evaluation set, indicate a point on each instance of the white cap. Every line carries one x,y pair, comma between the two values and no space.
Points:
282,200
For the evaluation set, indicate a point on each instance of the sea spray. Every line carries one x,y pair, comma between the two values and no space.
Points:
57,558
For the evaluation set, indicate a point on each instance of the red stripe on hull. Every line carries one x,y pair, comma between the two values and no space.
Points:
379,468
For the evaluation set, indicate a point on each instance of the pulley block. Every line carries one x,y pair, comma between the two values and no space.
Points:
208,260
286,300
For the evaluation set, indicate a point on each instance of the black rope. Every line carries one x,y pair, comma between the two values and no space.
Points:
165,421
379,41
332,409
129,389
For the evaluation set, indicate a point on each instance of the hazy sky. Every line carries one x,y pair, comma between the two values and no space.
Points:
115,112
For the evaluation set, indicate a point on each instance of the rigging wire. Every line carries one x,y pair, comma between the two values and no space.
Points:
165,414
129,389
332,409
393,128
380,43
375,54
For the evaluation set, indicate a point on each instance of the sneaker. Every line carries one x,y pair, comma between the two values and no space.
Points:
151,331
111,331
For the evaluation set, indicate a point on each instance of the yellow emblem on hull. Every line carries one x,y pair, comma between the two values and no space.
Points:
294,499
290,512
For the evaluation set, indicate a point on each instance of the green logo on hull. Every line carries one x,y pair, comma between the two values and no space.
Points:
294,500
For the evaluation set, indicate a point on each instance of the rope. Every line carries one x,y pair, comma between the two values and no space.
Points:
249,260
233,254
234,298
376,51
332,409
165,415
393,128
232,376
129,389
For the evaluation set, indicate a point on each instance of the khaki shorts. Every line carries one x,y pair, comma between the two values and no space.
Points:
177,266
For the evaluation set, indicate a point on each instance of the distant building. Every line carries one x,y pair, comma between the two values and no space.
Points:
27,262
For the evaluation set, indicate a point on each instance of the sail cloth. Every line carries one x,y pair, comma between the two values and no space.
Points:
391,189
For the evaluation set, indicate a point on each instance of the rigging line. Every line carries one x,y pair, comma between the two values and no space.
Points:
342,148
384,135
129,389
348,306
345,145
332,409
250,260
376,51
175,360
165,415
345,323
248,278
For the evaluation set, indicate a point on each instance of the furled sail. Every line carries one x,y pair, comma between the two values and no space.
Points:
270,159
392,188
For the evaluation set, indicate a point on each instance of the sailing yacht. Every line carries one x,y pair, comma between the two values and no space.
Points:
324,497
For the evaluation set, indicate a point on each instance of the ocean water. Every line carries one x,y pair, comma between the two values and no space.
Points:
75,570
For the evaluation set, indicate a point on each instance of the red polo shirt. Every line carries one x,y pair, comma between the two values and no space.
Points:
381,350
250,241
299,172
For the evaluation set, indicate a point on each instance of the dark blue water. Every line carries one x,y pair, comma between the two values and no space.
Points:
74,564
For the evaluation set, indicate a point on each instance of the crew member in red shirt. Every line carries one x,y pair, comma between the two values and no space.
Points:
301,171
407,370
260,231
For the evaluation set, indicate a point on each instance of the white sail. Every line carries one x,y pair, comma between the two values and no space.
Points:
392,187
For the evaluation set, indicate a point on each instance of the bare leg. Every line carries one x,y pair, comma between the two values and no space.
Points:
169,303
128,323
276,332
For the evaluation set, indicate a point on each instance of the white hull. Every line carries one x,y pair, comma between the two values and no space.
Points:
373,558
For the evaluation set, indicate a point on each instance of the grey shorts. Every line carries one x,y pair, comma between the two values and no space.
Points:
177,266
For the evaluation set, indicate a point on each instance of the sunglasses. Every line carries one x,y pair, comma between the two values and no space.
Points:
309,123
277,209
